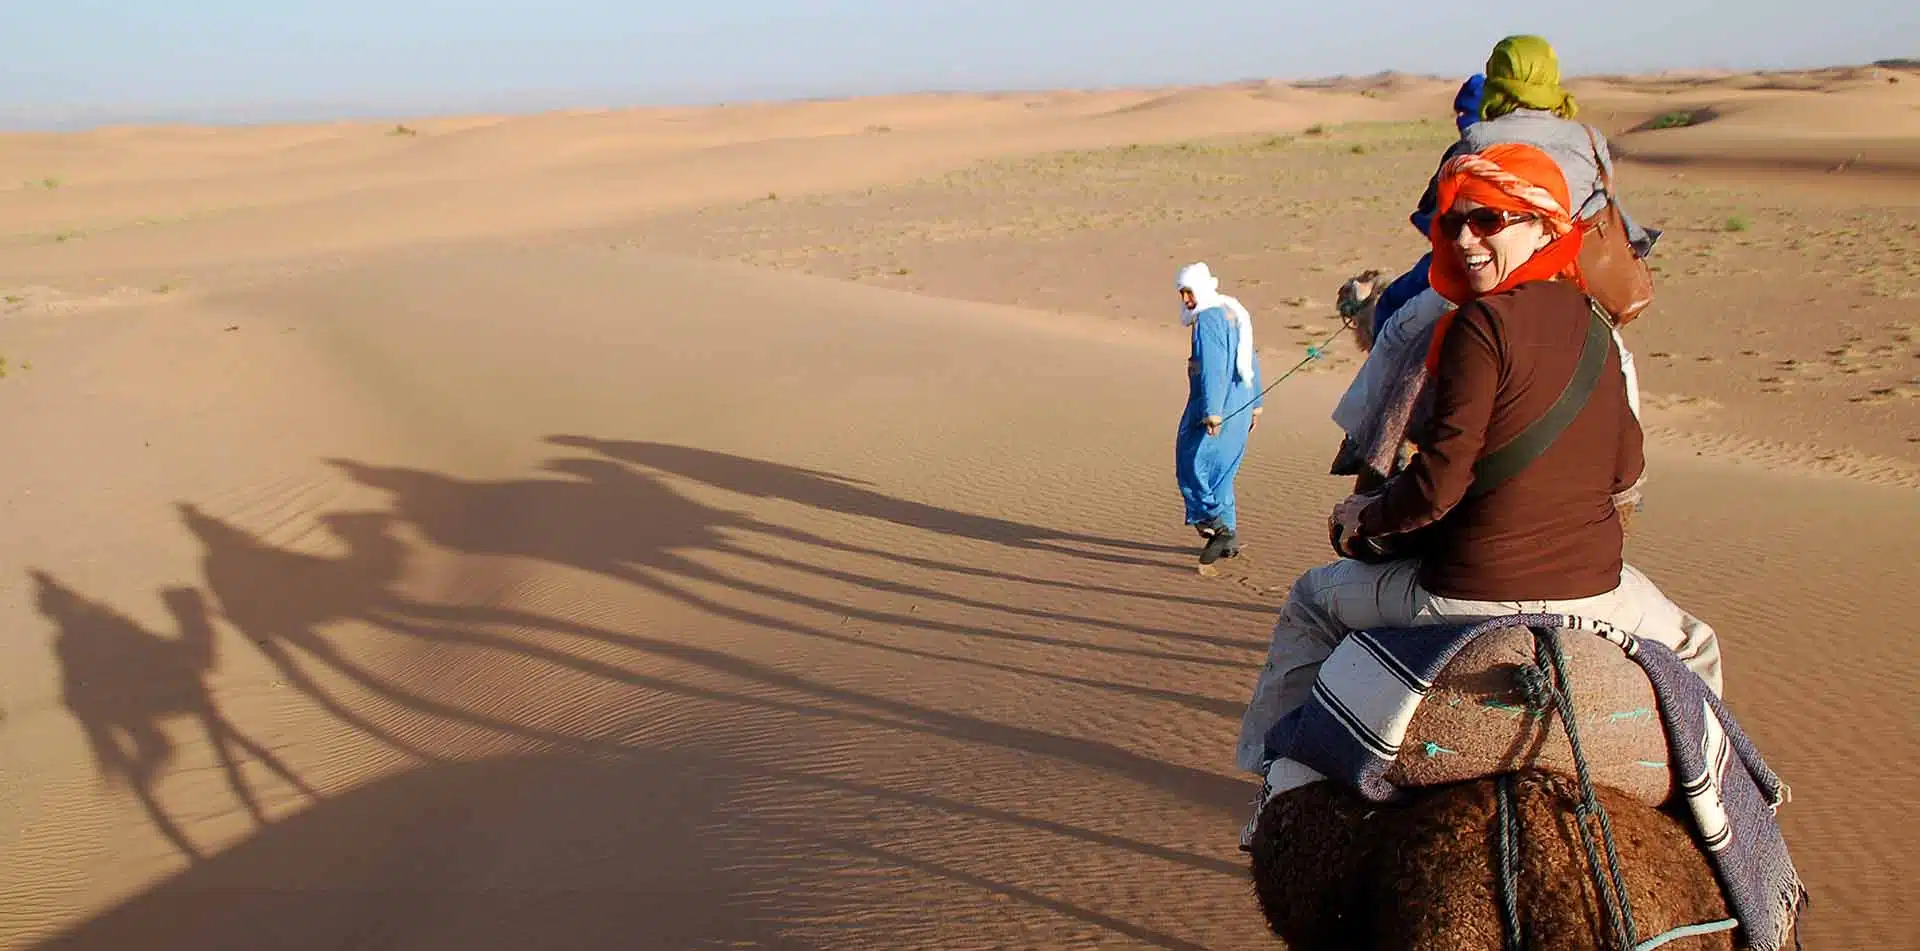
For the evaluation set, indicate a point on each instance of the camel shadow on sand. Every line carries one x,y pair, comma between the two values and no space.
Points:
487,843
853,497
123,683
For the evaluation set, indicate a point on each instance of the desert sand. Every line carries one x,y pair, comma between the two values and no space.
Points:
754,526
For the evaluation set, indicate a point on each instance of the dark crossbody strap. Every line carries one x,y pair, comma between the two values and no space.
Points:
1600,164
1506,462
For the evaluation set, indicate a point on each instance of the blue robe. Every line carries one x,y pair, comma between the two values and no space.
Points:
1204,466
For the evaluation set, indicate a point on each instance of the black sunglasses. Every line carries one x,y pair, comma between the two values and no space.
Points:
1485,222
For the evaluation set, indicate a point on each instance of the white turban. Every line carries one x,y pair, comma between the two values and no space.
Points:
1206,295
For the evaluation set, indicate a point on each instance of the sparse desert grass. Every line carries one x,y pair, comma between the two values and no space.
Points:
89,229
1284,217
1299,185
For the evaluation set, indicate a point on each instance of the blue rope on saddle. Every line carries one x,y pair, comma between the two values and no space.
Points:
1546,685
1689,931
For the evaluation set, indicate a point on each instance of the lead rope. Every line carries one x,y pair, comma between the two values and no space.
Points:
1316,352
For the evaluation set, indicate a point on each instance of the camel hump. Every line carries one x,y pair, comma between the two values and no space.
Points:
1478,721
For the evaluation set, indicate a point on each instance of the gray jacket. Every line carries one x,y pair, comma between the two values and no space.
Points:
1566,141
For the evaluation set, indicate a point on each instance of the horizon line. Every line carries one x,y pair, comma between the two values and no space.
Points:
73,119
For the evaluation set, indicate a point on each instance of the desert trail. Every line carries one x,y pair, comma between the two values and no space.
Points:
754,526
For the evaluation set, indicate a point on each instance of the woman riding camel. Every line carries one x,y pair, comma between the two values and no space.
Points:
1520,101
1544,539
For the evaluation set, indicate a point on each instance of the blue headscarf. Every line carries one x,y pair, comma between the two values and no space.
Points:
1466,102
1466,112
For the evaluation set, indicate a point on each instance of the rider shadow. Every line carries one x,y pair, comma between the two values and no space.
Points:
842,495
327,875
279,597
280,600
837,493
626,525
123,682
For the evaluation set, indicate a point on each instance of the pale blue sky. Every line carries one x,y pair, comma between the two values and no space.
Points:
251,59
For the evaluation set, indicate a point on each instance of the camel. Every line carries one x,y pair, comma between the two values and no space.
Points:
1335,871
1332,871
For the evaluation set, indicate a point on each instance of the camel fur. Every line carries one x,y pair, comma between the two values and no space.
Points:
1332,871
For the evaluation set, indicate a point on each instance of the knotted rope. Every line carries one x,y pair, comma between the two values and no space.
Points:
1546,687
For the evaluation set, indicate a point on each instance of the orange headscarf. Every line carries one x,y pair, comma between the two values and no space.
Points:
1509,177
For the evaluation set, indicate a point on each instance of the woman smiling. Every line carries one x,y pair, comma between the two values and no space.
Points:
1526,443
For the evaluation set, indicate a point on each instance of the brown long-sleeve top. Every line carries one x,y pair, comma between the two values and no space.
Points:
1551,531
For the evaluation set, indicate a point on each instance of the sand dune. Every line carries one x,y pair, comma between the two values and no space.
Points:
1857,124
753,526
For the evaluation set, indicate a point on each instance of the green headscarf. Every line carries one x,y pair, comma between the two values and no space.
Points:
1524,72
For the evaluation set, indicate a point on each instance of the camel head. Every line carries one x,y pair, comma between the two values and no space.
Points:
1355,300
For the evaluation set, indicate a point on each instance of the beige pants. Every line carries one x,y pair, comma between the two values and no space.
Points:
1348,595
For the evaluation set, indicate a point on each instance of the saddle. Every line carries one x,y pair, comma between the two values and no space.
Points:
1479,721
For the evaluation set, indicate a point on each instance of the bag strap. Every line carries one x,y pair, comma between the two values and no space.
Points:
1599,164
1506,462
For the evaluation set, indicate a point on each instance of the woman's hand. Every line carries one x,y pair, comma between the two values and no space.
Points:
1344,523
1213,425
